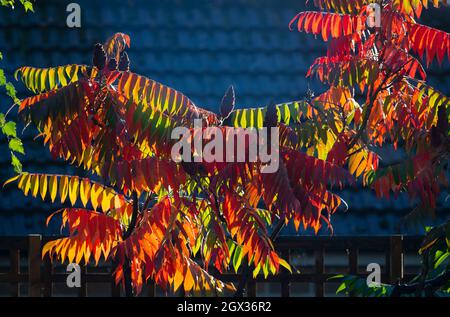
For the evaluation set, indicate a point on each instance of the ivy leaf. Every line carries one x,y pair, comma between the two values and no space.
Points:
2,77
9,129
28,6
16,145
16,163
11,91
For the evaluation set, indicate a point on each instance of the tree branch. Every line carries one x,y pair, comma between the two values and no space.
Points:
126,235
431,284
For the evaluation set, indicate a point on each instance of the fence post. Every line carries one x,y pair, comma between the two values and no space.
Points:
352,261
319,255
48,271
34,265
151,288
83,289
251,288
285,284
14,272
395,258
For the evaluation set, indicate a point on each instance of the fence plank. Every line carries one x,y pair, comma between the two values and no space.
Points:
353,260
34,265
285,283
14,257
396,258
115,289
83,288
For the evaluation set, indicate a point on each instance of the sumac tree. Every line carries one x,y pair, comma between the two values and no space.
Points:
148,214
170,222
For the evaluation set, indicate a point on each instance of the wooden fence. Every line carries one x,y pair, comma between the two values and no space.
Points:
40,276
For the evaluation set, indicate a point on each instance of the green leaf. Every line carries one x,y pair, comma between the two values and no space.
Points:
265,268
341,288
16,145
9,129
336,277
441,259
231,246
16,164
11,91
447,235
2,78
28,6
256,270
237,258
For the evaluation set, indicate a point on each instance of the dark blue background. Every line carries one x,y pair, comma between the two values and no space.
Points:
198,47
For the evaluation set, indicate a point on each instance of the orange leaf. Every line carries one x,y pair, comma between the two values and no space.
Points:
188,280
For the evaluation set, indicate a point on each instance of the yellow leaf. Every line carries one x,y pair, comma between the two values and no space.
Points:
361,167
61,76
96,190
34,185
53,187
73,190
22,181
43,186
80,252
118,202
177,280
106,200
26,184
87,254
51,78
71,251
354,161
48,247
284,264
63,188
97,253
85,187
256,270
12,179
64,244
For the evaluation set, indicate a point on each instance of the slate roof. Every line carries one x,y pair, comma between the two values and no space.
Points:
199,47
